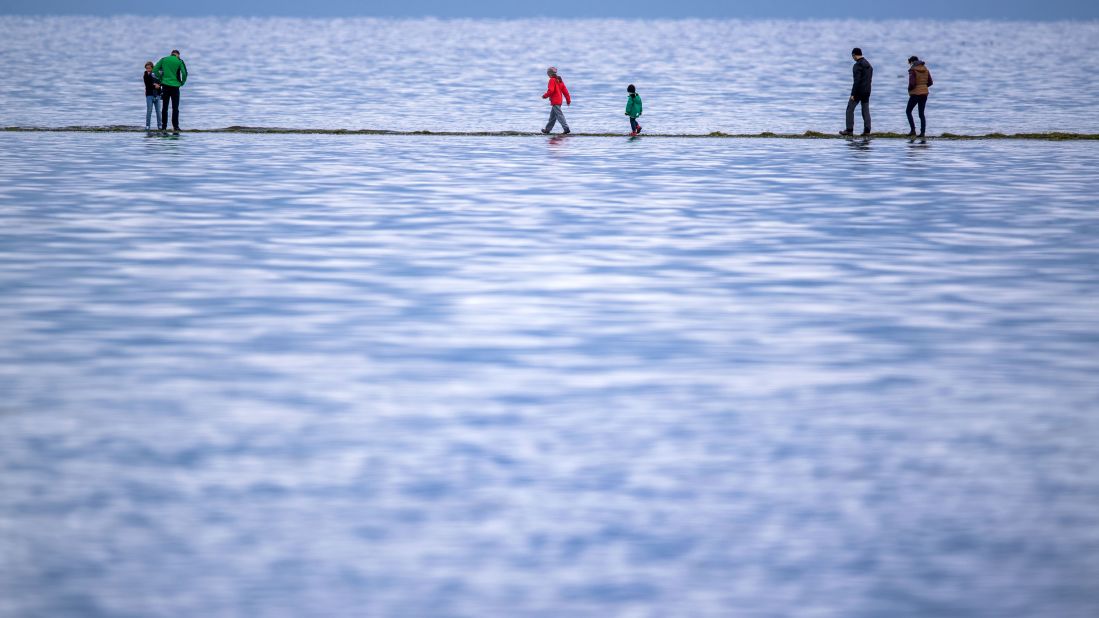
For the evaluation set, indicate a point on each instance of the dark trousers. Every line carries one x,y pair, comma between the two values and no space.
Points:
913,101
169,94
633,124
864,100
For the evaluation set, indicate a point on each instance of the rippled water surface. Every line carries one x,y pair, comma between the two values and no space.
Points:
408,376
695,76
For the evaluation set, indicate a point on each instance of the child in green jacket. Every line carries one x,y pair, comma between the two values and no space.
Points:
633,109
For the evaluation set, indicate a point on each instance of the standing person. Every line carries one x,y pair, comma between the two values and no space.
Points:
152,97
555,91
172,72
919,80
633,109
862,75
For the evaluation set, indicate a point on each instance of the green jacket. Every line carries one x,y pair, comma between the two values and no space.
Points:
633,105
171,70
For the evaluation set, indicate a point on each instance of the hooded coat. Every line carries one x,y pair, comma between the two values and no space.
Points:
556,90
919,79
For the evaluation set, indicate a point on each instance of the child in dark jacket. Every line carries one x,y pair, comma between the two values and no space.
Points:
152,96
633,109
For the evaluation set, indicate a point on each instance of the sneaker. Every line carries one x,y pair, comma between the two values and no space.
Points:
566,132
911,134
866,133
846,132
545,131
638,128
633,133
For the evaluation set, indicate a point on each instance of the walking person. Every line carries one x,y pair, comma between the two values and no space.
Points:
172,72
555,92
152,97
862,75
633,109
919,80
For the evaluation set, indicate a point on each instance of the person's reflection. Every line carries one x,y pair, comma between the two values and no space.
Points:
916,147
557,144
859,145
161,144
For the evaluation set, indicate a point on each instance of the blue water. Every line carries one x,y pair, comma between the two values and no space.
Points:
407,376
696,76
293,375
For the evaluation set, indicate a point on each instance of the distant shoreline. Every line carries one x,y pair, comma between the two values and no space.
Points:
1053,136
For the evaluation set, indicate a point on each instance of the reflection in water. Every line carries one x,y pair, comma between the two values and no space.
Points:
858,144
555,141
916,148
389,376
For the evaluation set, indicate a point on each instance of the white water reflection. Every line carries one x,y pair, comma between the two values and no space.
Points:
388,376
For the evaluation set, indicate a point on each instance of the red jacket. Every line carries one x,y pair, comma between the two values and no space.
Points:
555,90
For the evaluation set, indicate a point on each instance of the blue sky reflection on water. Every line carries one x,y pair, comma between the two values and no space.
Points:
384,376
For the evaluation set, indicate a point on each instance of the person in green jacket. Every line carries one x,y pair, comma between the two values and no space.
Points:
633,109
172,72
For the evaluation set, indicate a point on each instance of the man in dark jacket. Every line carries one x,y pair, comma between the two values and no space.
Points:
862,74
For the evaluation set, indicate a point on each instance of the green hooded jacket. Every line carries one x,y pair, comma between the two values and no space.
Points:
633,105
171,70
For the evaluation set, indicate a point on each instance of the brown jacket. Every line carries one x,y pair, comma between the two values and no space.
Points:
919,78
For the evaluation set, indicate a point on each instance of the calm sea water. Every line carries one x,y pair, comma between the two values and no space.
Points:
694,76
400,376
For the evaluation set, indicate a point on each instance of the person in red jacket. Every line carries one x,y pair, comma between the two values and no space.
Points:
555,91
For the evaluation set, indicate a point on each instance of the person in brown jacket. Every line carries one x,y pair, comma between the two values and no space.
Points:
919,80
